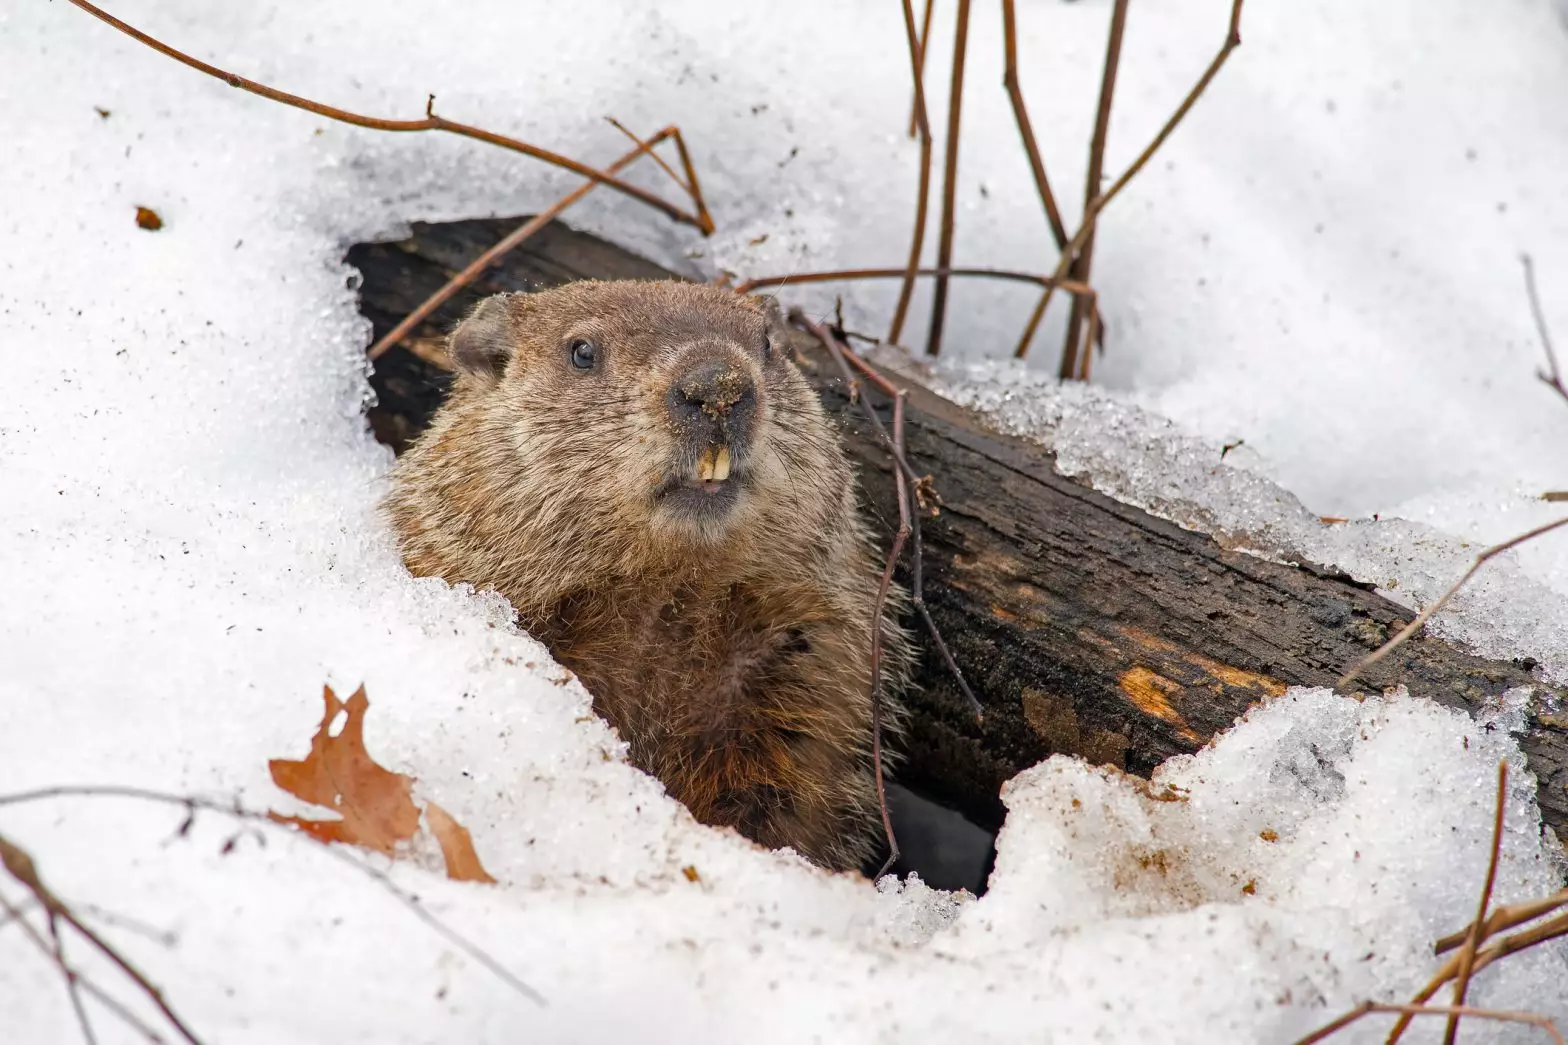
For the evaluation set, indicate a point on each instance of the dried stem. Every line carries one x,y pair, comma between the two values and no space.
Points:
1015,95
515,239
876,635
1083,260
431,122
73,980
105,999
944,246
1467,956
19,864
920,66
1548,930
1506,917
1366,1008
895,446
190,804
923,191
849,274
1092,213
1552,376
1414,626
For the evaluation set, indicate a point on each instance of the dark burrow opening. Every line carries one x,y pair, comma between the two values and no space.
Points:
946,848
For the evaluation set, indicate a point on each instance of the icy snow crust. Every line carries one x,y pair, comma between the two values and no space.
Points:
1511,607
189,546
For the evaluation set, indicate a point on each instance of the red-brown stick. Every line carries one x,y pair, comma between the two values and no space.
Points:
1038,280
920,65
509,243
1092,215
1367,1008
923,189
431,121
1425,615
1083,261
1467,956
1015,95
944,247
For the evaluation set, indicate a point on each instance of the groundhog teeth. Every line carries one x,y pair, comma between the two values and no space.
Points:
721,464
705,466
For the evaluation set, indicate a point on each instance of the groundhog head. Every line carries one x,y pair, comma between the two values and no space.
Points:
637,408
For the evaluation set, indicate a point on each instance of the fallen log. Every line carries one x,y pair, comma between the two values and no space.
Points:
1085,626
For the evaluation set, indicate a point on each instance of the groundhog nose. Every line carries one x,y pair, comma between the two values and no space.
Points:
718,391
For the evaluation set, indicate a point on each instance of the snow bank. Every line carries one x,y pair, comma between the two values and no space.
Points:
189,549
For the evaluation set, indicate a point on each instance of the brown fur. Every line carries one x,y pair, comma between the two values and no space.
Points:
731,649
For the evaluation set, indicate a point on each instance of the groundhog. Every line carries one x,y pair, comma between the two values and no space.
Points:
644,473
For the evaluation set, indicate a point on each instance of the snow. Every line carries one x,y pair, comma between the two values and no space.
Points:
189,546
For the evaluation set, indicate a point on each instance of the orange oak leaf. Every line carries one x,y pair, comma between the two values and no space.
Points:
457,846
373,804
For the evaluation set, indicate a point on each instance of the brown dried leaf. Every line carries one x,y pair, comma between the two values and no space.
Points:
147,218
457,846
374,804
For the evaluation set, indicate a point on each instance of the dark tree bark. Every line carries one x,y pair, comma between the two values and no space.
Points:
1084,625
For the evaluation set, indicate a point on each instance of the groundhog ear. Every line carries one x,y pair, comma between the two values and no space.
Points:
482,343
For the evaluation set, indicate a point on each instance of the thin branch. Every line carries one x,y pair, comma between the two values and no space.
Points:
923,191
1467,956
920,65
876,633
1506,917
1083,260
1551,376
1092,214
73,984
644,147
1414,626
19,864
846,359
431,122
57,958
187,802
1070,286
511,242
1015,94
944,246
1366,1008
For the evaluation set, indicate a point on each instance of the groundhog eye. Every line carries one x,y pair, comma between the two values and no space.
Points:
584,354
767,348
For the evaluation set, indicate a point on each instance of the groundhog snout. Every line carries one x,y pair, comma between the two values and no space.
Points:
713,401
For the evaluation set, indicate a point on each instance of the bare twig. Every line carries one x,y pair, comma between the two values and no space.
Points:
103,998
1092,214
920,65
1551,376
514,239
944,245
1038,280
1015,95
431,121
923,191
1425,615
886,583
1506,917
1366,1008
1083,261
1550,929
845,360
190,803
19,864
1467,955
73,984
